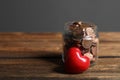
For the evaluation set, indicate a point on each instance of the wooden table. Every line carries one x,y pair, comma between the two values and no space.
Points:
37,56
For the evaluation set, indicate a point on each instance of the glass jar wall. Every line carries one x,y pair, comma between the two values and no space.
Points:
84,36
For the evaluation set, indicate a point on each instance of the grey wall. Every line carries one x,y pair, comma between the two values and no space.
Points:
51,15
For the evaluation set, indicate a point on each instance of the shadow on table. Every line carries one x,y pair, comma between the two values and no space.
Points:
55,59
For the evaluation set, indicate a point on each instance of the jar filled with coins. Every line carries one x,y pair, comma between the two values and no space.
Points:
84,36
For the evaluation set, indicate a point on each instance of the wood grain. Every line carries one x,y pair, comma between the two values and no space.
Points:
18,44
106,68
37,56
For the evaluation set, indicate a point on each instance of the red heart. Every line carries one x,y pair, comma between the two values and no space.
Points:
75,62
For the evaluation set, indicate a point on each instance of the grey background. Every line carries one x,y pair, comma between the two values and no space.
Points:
51,15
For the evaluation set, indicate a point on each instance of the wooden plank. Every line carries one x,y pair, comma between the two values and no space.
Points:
109,36
18,44
106,68
109,49
35,36
29,36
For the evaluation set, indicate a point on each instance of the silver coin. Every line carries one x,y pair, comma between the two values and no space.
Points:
87,42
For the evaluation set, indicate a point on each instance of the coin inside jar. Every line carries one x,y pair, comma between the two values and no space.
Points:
87,42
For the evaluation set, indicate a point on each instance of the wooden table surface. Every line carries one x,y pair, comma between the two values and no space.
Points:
37,56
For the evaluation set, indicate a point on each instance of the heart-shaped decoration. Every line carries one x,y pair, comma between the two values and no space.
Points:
75,62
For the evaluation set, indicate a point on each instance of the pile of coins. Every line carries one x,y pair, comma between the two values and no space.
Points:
84,36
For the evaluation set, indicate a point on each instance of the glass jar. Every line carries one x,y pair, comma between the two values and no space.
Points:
83,35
